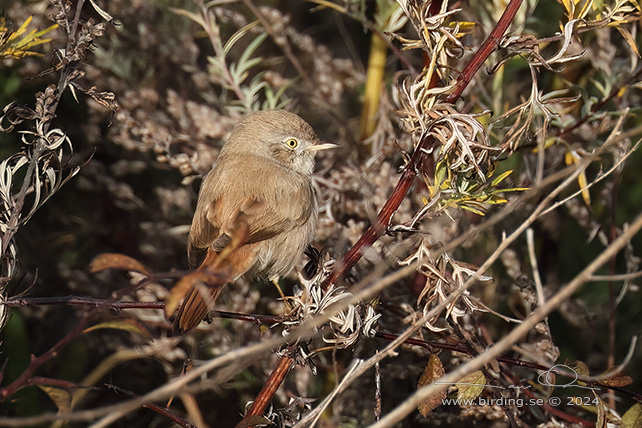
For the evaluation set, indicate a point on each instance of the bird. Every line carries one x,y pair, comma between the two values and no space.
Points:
262,181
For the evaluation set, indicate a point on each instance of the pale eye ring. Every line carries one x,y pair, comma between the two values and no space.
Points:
291,142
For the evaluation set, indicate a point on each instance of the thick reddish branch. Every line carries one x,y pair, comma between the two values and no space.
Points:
273,383
376,230
489,45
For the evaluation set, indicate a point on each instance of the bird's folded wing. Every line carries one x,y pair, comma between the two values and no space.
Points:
267,208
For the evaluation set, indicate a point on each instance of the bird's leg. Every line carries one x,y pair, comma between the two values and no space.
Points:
286,301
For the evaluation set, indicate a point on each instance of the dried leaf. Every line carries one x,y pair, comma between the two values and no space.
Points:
61,397
629,39
632,418
252,421
433,371
602,413
619,381
116,261
615,379
471,386
106,16
131,326
580,368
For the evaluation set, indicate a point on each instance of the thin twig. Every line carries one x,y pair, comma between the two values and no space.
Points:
518,332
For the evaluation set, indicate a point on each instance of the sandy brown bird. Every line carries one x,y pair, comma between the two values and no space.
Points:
262,178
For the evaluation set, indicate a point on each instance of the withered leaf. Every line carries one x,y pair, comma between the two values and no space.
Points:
580,368
433,371
602,413
116,261
632,418
61,397
131,326
618,381
254,421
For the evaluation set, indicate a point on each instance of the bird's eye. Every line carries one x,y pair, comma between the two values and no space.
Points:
292,143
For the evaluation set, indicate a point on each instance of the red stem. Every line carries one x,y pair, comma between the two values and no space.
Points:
377,229
273,383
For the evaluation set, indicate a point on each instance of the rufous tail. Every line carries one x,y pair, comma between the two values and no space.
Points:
198,300
195,307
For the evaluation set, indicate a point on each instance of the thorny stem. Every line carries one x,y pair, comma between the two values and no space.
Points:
432,345
36,362
164,411
376,230
122,305
490,44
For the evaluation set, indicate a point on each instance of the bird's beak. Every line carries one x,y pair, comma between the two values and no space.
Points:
322,146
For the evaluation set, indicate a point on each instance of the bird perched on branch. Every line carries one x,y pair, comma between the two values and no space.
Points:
257,209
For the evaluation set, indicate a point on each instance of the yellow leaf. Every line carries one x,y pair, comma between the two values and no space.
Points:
471,386
17,43
569,5
570,157
583,182
584,8
473,210
548,143
516,189
496,200
433,371
501,177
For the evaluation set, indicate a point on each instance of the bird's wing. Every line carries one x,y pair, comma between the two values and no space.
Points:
270,203
203,233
